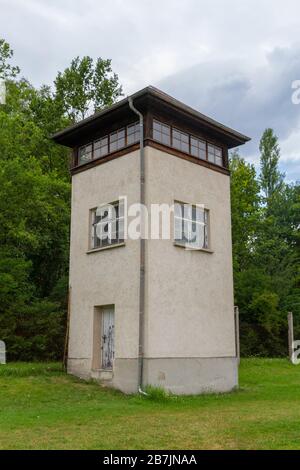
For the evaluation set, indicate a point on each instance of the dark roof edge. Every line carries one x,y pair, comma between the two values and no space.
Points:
164,97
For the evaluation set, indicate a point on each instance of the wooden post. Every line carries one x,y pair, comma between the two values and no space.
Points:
66,346
237,333
290,334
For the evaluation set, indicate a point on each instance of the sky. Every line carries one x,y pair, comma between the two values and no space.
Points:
234,60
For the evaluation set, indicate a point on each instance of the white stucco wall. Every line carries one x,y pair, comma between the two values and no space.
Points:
106,277
189,293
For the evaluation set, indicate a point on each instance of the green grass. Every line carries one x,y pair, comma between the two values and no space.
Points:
42,408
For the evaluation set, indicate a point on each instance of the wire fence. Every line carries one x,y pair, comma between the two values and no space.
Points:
254,339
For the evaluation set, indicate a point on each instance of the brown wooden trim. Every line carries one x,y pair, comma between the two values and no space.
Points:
107,158
185,156
154,144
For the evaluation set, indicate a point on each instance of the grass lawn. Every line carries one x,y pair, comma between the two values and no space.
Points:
42,408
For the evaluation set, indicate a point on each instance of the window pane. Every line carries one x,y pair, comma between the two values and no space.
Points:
85,154
219,161
121,142
156,135
107,228
178,209
192,228
176,134
211,157
130,129
177,144
131,138
166,130
185,147
202,154
202,145
113,146
156,125
178,229
194,151
113,137
97,153
165,139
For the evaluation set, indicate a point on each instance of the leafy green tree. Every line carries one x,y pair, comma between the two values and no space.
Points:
34,242
86,86
245,210
270,177
6,54
26,122
35,209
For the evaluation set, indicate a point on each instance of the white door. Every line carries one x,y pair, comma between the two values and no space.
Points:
108,338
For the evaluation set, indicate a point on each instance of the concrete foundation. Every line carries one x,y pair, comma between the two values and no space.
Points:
180,376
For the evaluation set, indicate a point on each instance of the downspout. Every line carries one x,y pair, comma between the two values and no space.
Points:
142,251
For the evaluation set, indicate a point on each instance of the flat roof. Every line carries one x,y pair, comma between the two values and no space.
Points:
233,137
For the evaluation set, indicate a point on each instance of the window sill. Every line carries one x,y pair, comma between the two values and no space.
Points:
187,248
95,250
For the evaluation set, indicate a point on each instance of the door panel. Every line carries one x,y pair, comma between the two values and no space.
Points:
108,338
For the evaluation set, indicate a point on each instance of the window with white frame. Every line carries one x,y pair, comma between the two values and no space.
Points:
107,225
191,226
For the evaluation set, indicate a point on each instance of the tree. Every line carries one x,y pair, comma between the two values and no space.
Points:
6,53
270,177
34,244
245,209
86,86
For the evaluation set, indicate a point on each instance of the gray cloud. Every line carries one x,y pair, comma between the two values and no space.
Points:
232,60
248,99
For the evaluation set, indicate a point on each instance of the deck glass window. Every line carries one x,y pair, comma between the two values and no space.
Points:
180,140
133,133
198,148
215,154
101,147
191,226
161,132
117,140
107,225
85,153
187,143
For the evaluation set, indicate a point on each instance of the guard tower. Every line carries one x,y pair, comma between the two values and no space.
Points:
151,311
